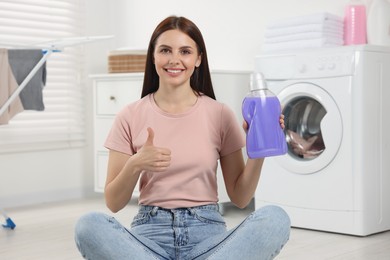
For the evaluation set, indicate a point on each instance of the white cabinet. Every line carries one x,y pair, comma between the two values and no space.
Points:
111,92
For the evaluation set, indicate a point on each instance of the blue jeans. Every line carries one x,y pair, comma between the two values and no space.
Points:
184,233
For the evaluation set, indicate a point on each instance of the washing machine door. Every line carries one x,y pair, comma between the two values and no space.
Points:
313,128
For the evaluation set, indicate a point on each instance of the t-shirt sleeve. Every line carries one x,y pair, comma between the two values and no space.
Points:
119,137
233,137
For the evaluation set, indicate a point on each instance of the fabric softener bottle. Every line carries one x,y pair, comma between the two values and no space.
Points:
261,110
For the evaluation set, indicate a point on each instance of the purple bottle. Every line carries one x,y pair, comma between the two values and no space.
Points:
261,110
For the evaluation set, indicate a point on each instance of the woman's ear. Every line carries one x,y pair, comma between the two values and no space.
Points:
199,61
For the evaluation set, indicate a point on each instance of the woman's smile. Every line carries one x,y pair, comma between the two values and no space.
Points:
174,72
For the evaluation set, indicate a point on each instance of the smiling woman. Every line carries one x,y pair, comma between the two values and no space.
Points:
25,24
170,141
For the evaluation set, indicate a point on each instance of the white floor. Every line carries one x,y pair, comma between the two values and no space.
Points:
46,232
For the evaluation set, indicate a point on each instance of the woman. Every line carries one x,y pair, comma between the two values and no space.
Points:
170,141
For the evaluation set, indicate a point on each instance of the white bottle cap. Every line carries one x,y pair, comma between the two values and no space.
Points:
257,81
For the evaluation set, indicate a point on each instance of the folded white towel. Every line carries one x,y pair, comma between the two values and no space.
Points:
302,44
306,19
305,36
324,27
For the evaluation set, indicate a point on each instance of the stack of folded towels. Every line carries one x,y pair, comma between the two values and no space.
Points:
302,32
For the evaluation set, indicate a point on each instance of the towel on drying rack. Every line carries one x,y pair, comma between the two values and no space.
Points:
8,85
22,61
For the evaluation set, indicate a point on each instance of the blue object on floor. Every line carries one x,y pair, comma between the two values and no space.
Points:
9,224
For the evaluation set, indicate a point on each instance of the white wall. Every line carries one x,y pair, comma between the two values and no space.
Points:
233,31
45,176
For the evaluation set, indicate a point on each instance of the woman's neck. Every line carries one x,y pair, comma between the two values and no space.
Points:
175,101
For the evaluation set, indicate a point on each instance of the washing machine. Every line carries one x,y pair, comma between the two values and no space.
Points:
336,174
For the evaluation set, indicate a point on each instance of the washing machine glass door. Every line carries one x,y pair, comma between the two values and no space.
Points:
313,128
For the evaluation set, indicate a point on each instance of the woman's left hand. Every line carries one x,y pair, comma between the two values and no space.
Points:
281,121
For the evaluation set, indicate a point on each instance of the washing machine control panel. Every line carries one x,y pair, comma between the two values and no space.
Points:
306,65
323,66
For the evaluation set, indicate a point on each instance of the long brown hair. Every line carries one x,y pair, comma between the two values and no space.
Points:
200,80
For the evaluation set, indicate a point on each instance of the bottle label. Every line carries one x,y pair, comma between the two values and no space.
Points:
265,136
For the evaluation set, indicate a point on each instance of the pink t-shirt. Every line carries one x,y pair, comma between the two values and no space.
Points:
197,138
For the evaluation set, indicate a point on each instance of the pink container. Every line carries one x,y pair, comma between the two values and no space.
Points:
355,28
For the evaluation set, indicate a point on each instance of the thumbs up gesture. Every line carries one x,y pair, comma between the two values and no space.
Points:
149,140
152,158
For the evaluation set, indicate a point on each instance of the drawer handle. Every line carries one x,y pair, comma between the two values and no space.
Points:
112,98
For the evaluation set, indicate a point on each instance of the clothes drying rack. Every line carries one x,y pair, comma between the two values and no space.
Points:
47,48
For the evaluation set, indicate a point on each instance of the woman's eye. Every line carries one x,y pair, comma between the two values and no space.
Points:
165,51
186,52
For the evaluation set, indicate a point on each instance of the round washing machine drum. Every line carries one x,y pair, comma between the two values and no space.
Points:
313,128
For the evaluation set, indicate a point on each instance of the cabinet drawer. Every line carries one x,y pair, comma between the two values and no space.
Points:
111,96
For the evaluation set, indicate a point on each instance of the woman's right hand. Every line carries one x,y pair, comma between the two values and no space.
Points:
124,171
152,158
